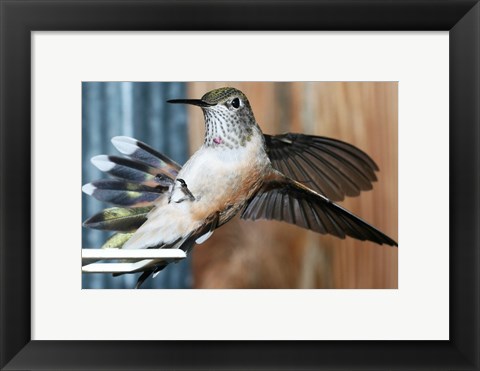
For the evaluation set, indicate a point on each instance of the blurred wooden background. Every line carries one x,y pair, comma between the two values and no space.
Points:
269,254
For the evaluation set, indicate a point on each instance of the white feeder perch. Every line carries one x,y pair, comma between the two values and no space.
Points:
140,259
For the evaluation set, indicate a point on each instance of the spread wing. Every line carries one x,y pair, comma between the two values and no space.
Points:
289,201
331,167
140,177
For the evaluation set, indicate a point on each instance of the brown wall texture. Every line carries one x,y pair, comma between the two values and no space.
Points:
269,254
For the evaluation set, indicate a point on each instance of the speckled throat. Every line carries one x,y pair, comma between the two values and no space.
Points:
226,131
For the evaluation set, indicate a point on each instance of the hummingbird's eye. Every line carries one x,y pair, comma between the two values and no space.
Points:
236,103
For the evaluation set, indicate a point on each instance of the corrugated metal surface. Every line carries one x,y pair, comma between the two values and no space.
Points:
136,109
266,254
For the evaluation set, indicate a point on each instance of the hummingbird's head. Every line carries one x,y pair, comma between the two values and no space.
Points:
229,120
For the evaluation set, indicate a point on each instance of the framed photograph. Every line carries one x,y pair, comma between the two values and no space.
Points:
391,109
332,126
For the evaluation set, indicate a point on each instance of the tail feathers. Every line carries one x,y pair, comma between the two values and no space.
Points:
143,277
185,243
142,152
132,170
147,274
118,219
123,193
155,269
201,234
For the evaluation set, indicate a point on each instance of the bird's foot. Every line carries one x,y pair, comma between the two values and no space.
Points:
186,192
185,189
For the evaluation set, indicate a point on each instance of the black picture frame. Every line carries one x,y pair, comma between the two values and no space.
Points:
19,18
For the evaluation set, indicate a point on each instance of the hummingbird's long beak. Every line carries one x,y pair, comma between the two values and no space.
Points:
195,102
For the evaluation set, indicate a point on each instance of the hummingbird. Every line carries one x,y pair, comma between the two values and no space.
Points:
294,178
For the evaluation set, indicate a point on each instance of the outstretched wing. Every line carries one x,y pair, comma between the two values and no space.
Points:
289,201
141,152
331,167
141,176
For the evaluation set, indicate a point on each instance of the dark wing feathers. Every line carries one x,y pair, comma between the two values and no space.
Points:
131,170
117,240
119,219
140,151
289,201
141,177
331,167
122,193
